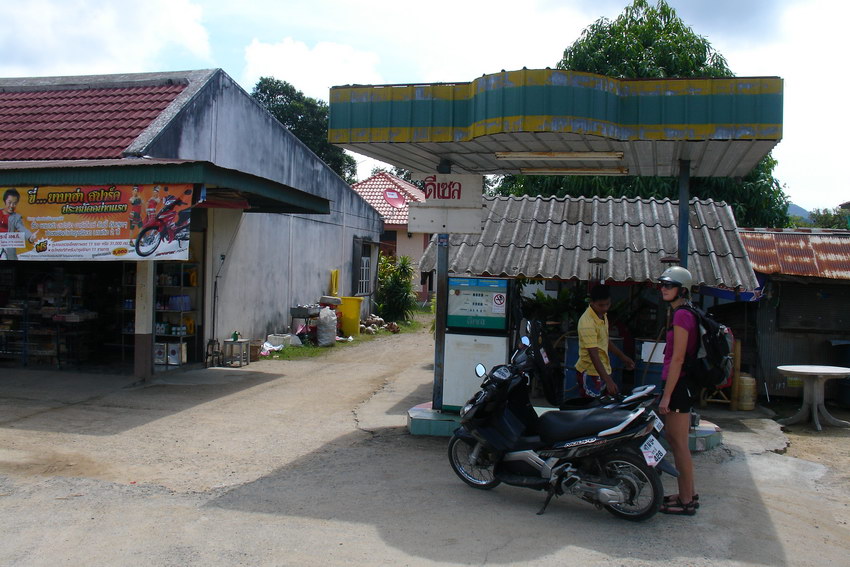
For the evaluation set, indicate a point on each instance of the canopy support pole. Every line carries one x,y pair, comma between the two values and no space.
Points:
684,205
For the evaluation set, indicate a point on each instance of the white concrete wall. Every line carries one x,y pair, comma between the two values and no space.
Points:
272,261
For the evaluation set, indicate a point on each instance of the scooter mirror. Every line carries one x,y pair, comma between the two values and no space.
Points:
480,371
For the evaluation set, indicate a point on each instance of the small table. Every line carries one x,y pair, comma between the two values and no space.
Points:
814,377
229,345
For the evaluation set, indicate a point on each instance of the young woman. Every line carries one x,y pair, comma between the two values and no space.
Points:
679,393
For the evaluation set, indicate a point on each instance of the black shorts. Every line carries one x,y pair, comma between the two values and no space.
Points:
684,396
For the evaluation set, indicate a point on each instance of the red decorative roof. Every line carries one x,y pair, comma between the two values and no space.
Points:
820,253
390,196
78,123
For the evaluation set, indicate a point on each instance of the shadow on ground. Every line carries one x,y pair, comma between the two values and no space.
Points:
404,487
108,404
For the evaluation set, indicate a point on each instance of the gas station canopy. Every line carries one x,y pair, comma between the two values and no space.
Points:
555,122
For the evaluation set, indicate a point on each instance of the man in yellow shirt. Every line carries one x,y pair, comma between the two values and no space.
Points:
593,368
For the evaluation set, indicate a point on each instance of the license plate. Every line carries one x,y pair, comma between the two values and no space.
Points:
652,451
659,425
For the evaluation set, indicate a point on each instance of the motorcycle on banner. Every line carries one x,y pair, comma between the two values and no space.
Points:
167,224
605,454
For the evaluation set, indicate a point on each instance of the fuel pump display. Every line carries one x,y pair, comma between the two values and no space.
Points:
477,304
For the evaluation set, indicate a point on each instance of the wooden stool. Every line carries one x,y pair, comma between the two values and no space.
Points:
213,353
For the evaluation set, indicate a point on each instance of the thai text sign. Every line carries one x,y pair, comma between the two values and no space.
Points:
453,190
95,222
452,205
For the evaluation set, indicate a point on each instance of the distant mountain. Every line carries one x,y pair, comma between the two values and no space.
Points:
798,211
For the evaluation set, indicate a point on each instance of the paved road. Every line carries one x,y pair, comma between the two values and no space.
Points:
310,463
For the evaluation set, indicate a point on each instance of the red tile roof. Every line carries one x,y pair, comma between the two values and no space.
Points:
78,123
382,190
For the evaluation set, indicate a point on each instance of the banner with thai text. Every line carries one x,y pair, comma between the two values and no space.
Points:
95,222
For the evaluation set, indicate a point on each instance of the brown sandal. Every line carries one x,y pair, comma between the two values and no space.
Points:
671,499
679,508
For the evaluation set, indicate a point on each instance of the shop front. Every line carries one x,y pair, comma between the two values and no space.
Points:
107,265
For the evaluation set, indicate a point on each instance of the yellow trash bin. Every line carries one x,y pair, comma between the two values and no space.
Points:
350,311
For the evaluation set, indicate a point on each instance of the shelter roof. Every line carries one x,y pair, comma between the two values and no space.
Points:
87,117
550,121
555,238
821,253
390,196
220,187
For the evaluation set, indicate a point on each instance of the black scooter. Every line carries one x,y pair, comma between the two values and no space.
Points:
606,456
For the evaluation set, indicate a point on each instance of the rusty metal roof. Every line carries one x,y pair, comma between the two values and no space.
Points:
555,238
822,253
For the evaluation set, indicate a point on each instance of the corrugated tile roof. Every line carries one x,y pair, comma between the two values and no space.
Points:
555,238
50,123
374,191
822,253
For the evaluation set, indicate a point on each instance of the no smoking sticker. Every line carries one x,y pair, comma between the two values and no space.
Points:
499,300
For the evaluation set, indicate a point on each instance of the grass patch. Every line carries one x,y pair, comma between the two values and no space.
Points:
313,351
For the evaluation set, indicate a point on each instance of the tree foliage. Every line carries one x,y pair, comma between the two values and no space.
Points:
307,119
828,218
651,41
394,297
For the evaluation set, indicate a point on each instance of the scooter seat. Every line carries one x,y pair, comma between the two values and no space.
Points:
557,426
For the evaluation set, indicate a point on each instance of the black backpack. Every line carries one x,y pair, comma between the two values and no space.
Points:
712,366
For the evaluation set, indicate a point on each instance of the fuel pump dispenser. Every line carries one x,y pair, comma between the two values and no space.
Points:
477,330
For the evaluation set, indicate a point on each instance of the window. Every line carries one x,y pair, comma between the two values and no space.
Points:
362,271
364,282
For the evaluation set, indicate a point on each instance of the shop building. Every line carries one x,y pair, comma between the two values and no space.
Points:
250,221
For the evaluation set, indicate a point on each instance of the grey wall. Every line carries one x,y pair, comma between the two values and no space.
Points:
272,261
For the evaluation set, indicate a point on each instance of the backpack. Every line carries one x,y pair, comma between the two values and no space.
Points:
712,366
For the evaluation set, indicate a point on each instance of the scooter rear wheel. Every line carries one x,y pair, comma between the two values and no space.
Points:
478,474
640,484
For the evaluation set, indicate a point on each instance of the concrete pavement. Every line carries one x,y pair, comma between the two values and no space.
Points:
310,463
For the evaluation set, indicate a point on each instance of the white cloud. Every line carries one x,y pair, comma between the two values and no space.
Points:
43,37
312,70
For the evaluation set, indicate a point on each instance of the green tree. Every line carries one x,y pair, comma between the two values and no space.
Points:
826,218
651,41
307,119
394,297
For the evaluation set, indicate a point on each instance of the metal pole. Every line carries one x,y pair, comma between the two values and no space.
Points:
684,216
440,320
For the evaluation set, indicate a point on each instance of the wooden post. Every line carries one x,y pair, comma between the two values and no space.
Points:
736,376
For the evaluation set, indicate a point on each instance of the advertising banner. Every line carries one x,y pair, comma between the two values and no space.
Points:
95,222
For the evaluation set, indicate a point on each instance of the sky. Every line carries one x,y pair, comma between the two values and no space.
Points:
317,44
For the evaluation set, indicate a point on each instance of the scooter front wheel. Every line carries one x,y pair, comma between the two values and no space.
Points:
639,483
148,241
475,469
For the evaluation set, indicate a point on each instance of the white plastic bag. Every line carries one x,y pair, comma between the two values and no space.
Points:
326,329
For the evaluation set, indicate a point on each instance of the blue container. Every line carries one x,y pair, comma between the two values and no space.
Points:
653,373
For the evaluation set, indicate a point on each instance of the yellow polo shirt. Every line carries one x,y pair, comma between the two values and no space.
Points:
592,332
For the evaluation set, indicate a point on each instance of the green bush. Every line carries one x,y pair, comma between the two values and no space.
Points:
394,298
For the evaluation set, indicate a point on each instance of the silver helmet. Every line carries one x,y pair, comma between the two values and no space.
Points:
677,275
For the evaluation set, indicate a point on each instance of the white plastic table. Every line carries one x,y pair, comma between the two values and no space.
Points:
814,377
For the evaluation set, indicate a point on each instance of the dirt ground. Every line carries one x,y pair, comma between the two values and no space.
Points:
309,463
830,447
